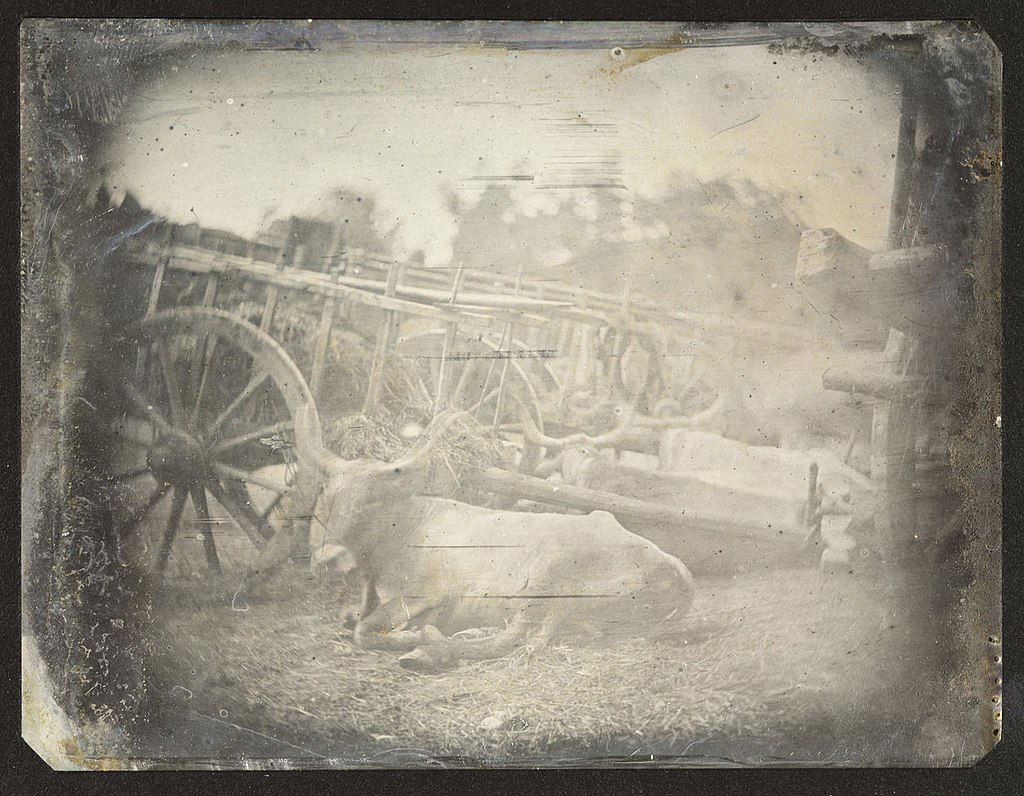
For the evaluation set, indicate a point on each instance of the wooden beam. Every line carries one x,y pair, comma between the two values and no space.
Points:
913,261
826,256
872,383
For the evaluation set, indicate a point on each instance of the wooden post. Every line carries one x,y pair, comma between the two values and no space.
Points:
158,277
451,332
298,258
282,260
154,296
385,340
508,333
323,336
203,356
577,341
323,332
905,157
893,432
210,294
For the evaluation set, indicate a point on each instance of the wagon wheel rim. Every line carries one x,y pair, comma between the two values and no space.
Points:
691,385
474,385
209,399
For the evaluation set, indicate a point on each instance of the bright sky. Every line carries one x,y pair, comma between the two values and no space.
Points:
235,139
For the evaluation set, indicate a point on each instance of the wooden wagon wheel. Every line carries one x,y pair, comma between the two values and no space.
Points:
481,378
208,400
692,382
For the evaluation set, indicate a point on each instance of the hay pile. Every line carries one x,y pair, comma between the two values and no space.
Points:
389,433
747,668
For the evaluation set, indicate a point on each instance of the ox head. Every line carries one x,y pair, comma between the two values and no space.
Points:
355,490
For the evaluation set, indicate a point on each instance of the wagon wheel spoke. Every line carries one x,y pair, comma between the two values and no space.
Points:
460,385
239,514
203,516
171,384
204,372
238,491
248,391
171,531
142,404
236,474
136,519
475,408
126,429
265,516
485,397
130,475
694,393
139,443
250,436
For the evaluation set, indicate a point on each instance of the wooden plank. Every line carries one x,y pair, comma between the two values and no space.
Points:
320,284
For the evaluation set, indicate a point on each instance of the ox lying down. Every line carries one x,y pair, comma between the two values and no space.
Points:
433,568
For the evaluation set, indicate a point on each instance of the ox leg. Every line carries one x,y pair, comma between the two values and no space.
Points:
367,604
437,652
384,628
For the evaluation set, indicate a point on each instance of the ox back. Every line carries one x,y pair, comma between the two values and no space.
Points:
478,567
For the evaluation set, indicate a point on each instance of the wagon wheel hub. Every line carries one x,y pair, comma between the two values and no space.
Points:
178,460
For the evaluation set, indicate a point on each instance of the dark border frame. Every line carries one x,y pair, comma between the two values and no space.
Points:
993,774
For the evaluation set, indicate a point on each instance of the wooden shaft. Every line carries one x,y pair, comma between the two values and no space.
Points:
625,509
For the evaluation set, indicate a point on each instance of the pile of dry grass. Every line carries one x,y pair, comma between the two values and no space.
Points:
462,445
